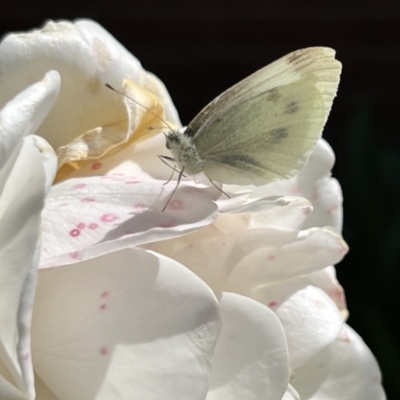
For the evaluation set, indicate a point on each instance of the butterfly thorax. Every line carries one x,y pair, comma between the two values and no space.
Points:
184,152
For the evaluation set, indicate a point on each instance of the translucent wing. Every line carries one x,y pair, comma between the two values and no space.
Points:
314,61
268,136
265,127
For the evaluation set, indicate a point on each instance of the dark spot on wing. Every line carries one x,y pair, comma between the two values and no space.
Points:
273,95
291,107
294,57
278,134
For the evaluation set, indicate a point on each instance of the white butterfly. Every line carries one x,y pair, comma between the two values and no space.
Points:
263,128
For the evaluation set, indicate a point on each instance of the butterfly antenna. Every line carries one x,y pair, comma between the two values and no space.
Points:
176,187
141,105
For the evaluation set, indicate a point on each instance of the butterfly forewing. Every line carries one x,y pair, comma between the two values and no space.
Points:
314,61
268,136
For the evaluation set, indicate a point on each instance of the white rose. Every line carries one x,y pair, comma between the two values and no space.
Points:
212,299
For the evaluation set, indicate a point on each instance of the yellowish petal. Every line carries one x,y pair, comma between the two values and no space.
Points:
137,120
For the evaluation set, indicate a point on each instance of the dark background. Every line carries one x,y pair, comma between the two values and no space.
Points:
201,48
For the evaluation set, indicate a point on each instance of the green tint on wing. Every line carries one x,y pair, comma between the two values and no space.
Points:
318,62
269,136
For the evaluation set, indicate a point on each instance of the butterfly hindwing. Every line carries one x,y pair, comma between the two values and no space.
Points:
267,137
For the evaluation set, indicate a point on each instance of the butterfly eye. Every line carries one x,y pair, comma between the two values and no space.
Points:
166,141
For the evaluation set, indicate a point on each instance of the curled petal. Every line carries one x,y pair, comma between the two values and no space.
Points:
29,169
88,120
313,250
22,116
88,217
124,64
19,252
327,199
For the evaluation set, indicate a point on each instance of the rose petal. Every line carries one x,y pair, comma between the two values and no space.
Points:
327,199
30,171
345,369
251,360
326,280
272,212
22,116
20,224
319,165
88,119
311,321
291,394
214,252
314,249
87,217
130,324
124,64
42,390
273,294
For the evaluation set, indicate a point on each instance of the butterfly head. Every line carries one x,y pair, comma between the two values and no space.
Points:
184,152
173,140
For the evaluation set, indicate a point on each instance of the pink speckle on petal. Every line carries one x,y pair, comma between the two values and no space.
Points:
344,337
104,295
103,306
338,296
26,356
132,182
79,185
88,200
168,224
306,210
81,225
103,350
75,232
96,165
272,304
175,205
74,254
271,257
295,190
344,248
93,226
109,217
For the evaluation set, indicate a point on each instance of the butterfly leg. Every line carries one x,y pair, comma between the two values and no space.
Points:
163,158
226,194
176,187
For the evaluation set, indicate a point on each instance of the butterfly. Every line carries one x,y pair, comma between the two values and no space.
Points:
265,127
